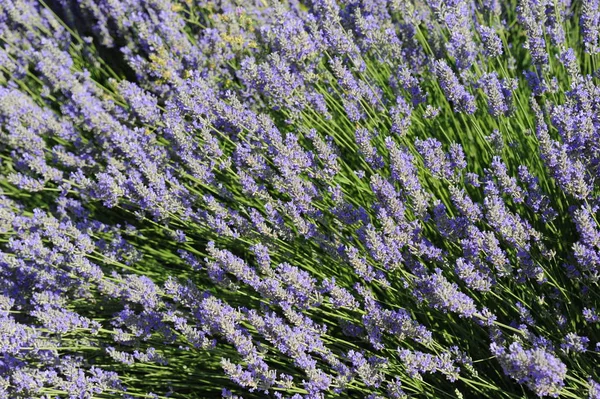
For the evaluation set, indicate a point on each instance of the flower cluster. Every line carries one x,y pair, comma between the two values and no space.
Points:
299,199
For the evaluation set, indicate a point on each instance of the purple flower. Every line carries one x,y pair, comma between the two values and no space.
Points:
367,150
498,98
455,92
444,295
442,165
537,368
144,104
368,369
339,296
478,280
594,389
400,114
492,45
590,22
532,14
574,343
590,315
418,363
379,320
403,170
394,389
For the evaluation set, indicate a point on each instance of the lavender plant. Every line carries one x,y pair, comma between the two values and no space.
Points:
300,199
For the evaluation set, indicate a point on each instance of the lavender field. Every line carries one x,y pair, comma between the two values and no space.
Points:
378,199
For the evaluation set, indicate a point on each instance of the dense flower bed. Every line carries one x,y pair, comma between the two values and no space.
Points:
265,199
